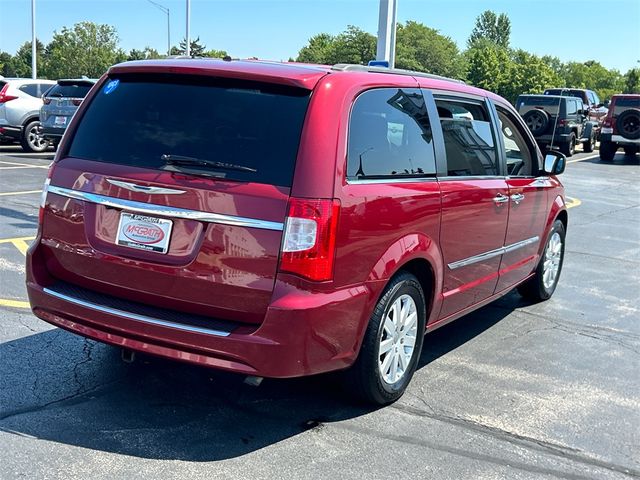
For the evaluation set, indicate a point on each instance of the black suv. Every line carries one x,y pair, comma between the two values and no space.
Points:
558,122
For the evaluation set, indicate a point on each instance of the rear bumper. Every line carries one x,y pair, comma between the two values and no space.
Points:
619,139
52,133
557,138
303,333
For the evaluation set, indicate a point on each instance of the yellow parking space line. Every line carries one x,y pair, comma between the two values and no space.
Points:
5,302
11,240
24,192
572,202
590,157
22,246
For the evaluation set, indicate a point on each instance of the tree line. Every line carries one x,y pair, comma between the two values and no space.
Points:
85,49
488,61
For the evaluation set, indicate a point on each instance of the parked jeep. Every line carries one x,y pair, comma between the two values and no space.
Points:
621,127
558,122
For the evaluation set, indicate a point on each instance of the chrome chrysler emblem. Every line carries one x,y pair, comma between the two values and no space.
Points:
144,189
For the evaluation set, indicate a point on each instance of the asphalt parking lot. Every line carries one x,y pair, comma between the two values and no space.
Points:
512,391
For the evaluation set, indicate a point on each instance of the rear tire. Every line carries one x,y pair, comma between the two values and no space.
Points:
392,343
543,283
607,150
569,147
32,140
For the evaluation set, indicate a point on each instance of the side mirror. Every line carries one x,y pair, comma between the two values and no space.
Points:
554,163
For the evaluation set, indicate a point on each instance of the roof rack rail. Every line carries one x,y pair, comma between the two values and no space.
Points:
349,67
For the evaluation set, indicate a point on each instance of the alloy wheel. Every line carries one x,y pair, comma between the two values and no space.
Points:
35,140
398,339
552,258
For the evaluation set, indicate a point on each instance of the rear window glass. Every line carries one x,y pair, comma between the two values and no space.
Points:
566,93
69,90
136,120
627,102
548,104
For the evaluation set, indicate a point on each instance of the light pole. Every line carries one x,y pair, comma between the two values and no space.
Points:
188,49
386,50
165,10
34,66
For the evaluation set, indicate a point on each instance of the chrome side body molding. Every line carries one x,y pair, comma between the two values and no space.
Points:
492,253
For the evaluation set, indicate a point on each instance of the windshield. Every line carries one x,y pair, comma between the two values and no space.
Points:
139,120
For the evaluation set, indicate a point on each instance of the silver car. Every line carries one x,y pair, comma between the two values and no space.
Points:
60,103
20,104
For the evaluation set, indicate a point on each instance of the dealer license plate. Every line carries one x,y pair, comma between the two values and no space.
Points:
144,232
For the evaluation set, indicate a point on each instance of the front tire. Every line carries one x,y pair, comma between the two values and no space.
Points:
32,140
392,343
545,279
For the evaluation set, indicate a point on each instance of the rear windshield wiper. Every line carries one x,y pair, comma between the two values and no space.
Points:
170,159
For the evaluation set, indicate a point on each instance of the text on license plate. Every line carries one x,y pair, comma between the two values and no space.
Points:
144,232
60,120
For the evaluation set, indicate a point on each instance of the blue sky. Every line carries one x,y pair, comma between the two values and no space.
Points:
604,30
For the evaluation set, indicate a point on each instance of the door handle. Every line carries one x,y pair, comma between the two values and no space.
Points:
517,198
499,199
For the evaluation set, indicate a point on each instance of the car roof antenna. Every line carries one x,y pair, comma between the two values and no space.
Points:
555,123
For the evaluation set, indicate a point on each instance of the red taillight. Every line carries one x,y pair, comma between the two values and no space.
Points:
43,196
309,243
46,100
562,123
77,101
4,98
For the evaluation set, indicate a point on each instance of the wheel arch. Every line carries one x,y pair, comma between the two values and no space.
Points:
419,255
30,119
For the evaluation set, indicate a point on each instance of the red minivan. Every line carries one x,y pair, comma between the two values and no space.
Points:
280,220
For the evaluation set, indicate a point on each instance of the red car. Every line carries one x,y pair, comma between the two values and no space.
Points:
280,220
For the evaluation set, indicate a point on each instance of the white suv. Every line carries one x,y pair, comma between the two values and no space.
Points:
20,103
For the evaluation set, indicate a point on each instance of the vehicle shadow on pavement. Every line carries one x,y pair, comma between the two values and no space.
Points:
620,159
62,388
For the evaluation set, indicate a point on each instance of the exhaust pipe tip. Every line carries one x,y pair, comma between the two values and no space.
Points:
253,381
128,356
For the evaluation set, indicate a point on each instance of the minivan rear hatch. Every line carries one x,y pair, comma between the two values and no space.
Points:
172,191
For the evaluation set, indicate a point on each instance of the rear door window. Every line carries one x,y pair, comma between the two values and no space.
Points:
30,89
390,135
572,107
138,120
468,138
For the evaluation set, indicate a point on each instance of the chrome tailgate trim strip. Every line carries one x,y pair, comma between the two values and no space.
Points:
163,211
